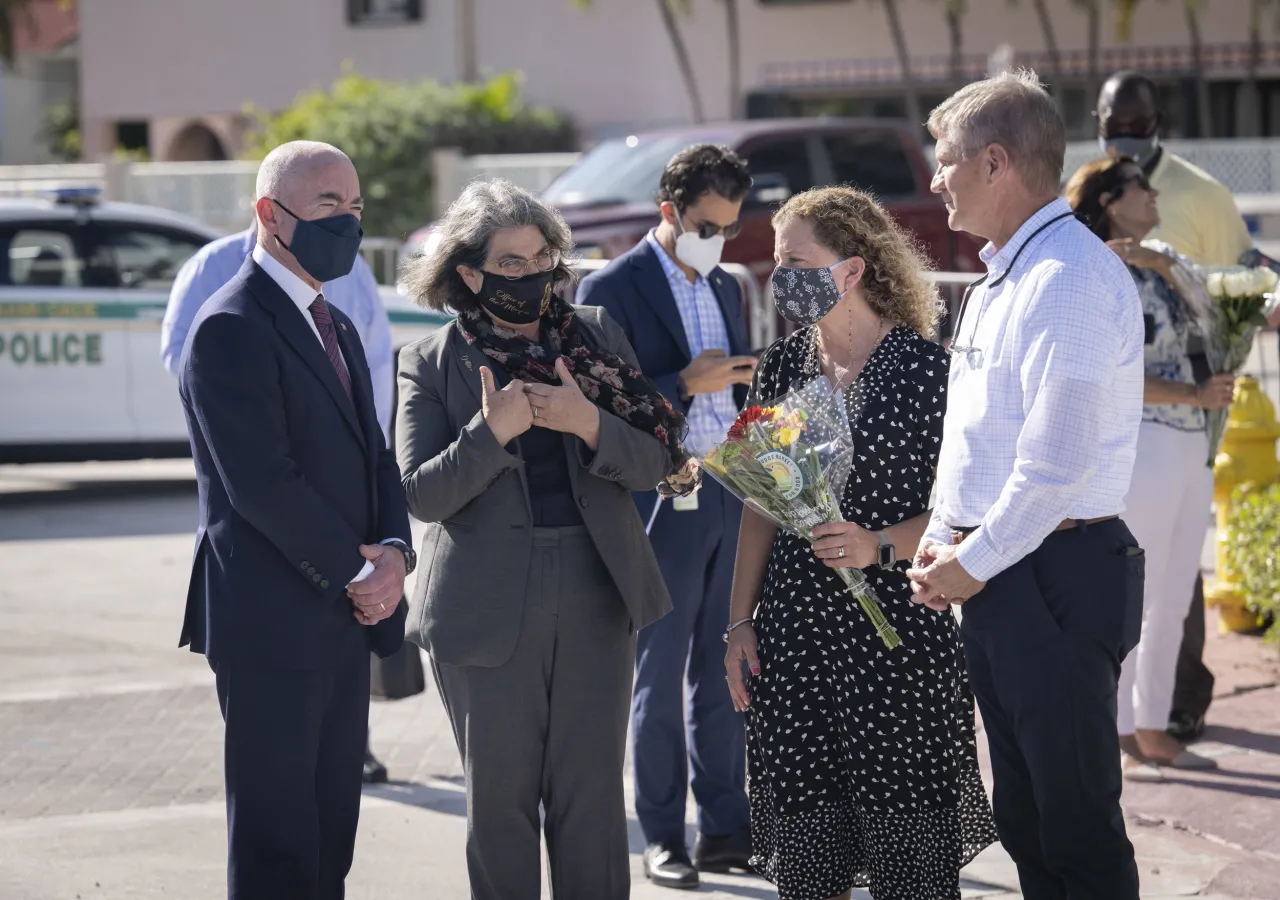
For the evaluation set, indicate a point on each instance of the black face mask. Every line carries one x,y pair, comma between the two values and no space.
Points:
325,248
519,301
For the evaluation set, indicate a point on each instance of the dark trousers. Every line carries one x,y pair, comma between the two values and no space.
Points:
294,763
1193,683
549,727
695,550
1044,641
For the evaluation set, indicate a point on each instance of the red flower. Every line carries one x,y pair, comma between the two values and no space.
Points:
751,414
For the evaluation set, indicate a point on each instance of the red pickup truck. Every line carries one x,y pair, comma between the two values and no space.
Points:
608,197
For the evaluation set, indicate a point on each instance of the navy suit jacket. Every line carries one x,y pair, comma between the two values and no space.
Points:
293,477
635,291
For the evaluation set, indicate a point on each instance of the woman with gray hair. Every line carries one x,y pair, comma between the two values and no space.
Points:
523,425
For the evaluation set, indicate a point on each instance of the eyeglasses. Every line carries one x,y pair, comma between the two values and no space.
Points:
708,230
514,267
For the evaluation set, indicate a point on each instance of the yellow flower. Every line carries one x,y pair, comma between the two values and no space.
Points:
785,435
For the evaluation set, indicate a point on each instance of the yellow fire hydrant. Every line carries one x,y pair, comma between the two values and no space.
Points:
1248,456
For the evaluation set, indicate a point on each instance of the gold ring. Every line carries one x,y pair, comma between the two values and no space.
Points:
382,606
842,553
535,412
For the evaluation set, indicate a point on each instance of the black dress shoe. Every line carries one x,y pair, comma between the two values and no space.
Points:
667,865
1185,727
724,853
374,771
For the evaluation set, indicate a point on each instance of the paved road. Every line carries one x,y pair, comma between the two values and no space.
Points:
110,781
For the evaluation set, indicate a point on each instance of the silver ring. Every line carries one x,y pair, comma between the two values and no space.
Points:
535,412
842,553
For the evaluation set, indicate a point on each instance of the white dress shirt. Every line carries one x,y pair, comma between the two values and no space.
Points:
302,295
710,415
1043,414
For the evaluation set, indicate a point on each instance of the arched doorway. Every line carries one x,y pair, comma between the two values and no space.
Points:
196,142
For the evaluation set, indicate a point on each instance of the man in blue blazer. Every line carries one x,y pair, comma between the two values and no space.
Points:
302,547
683,314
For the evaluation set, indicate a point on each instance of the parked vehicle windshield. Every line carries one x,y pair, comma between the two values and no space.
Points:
622,170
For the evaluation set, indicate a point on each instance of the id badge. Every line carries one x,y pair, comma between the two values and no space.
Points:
685,504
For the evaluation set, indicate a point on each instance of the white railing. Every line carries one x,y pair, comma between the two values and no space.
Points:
383,257
220,194
531,171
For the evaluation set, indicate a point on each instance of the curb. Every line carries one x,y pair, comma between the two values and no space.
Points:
58,492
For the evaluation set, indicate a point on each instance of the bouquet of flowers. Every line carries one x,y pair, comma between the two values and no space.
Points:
1242,296
789,460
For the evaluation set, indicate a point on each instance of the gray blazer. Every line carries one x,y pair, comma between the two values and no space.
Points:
469,596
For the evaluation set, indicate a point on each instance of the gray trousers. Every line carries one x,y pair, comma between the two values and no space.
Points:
549,727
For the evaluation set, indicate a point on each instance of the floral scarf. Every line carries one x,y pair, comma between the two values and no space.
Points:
605,378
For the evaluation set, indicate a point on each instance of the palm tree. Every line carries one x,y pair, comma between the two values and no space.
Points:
1093,11
954,11
1124,20
14,15
1252,117
736,109
1050,35
909,87
667,10
1191,12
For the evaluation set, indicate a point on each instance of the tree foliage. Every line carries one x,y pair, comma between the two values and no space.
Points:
391,129
1253,548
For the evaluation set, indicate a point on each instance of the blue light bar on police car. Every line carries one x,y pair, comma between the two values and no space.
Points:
80,195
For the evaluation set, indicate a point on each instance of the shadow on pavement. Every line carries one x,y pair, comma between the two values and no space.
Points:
1214,784
423,796
1241,737
143,514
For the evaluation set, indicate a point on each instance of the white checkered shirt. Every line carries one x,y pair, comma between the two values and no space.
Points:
710,415
1042,421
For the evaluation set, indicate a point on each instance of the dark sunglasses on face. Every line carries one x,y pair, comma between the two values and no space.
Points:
711,229
1140,179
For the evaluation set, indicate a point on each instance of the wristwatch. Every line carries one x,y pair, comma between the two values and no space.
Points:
888,552
410,558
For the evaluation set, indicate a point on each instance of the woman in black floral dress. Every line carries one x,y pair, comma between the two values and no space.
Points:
863,764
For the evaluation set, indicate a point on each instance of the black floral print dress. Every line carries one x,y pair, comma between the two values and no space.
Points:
863,763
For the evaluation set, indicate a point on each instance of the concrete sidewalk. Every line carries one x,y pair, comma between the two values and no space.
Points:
110,740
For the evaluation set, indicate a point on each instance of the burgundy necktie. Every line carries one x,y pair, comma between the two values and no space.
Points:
324,324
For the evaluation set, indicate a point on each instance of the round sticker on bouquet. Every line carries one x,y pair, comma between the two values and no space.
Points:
784,471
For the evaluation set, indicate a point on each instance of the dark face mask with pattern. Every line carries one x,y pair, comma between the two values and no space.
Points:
805,296
519,301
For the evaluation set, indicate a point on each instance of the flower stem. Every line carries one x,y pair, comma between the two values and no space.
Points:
867,600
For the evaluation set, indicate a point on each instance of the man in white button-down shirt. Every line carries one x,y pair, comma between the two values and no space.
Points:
1038,447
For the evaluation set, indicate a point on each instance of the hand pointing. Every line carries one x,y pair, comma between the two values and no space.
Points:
507,411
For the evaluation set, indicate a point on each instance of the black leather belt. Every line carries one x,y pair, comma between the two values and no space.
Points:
958,534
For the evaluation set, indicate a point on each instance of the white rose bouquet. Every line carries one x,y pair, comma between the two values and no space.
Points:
1242,296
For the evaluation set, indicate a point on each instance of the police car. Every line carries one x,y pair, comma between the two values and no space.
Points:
83,290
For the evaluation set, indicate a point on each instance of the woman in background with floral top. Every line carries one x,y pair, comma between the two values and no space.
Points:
1172,488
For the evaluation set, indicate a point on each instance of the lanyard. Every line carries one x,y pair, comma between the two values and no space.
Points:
964,301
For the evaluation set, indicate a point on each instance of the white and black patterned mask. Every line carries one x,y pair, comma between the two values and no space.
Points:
804,296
